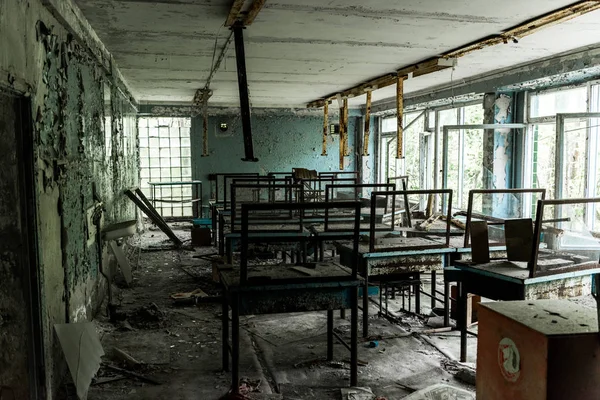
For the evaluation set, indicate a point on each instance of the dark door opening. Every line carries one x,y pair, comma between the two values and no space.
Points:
21,338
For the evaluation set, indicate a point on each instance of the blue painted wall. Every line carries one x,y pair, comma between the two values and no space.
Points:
282,140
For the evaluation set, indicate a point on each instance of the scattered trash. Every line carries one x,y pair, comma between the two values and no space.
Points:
373,344
125,326
360,363
188,298
141,377
124,358
407,388
466,375
435,322
148,316
249,386
439,392
461,372
357,393
83,351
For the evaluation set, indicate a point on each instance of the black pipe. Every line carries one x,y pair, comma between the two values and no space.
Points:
240,55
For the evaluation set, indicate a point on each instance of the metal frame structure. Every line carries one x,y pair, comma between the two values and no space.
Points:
249,296
503,286
539,220
405,194
356,187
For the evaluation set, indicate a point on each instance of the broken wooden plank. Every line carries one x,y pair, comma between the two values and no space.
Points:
325,128
367,131
426,225
399,116
234,12
255,8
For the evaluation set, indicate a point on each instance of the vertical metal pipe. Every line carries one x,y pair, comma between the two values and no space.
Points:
240,56
367,125
342,135
205,128
325,127
346,150
400,112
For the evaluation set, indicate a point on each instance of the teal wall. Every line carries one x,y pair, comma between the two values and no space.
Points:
282,140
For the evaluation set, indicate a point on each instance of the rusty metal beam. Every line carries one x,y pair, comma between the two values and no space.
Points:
438,63
342,128
367,125
234,12
400,115
255,8
325,127
346,149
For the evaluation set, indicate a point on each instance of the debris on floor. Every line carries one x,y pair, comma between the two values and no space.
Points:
441,392
357,393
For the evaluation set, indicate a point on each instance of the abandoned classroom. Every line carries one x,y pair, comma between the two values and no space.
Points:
277,199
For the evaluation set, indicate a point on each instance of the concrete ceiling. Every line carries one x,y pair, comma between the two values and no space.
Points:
298,51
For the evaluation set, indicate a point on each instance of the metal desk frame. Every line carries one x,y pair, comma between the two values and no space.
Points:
248,297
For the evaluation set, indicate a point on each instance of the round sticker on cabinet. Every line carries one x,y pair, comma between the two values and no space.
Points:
509,360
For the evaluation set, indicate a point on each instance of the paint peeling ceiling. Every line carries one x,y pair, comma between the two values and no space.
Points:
298,51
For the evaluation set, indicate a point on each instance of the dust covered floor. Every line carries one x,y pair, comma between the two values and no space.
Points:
283,355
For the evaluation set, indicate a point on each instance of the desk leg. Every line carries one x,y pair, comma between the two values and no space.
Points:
229,248
235,343
365,306
221,236
329,335
462,321
213,220
225,333
354,338
446,303
417,289
322,251
433,289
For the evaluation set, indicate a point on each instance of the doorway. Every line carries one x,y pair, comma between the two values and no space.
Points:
21,358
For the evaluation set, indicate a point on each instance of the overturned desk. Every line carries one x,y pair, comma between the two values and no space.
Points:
564,256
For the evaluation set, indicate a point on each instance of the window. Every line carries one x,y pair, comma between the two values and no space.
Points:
410,165
465,151
567,118
165,156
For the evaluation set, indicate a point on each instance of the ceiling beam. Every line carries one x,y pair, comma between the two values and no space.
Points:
234,12
255,8
448,59
236,15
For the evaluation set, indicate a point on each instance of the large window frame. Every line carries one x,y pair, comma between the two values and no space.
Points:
430,141
165,156
460,194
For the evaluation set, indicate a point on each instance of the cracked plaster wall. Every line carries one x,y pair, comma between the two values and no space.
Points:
83,137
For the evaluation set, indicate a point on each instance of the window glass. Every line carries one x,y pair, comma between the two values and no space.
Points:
563,101
161,159
543,158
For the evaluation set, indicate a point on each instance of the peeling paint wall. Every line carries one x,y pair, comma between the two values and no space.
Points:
282,141
75,153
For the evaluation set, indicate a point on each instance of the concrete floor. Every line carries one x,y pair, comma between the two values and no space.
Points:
180,346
